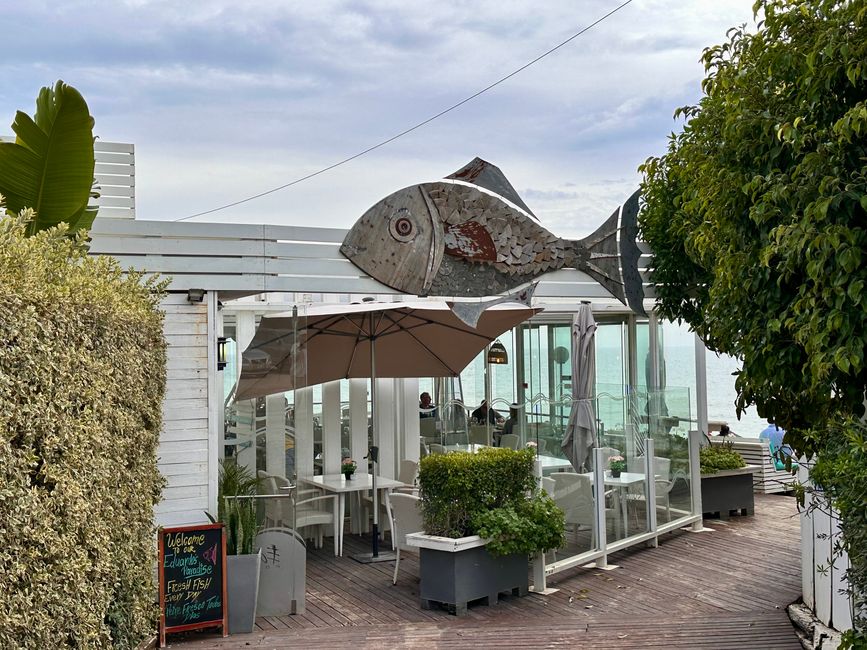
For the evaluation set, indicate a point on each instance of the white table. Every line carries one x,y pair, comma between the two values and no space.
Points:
471,448
339,485
622,483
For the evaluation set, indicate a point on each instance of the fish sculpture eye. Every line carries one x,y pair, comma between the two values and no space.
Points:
402,226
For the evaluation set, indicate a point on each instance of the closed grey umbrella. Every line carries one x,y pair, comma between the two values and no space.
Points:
580,436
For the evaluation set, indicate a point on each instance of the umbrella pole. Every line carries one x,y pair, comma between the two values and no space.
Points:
373,454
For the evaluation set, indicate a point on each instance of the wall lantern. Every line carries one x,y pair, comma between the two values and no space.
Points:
497,353
221,352
195,295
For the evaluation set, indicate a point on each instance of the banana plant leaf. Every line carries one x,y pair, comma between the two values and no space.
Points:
50,165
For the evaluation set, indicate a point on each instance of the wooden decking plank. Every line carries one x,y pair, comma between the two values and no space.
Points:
726,589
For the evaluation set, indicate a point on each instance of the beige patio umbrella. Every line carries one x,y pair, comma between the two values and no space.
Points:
580,435
399,339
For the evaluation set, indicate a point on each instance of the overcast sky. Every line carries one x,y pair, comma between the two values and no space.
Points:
227,99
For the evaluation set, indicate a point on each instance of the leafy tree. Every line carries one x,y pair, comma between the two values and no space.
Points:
49,167
757,216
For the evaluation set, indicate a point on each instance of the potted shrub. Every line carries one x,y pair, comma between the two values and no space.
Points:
242,564
726,481
483,515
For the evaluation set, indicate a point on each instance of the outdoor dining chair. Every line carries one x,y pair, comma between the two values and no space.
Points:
437,449
510,440
478,434
298,513
408,474
662,478
405,519
573,494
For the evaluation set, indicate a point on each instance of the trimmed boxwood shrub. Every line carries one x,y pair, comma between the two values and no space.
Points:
491,493
82,377
714,458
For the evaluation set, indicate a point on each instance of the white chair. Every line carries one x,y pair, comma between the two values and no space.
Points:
573,494
405,518
662,479
437,449
510,440
478,434
298,513
408,474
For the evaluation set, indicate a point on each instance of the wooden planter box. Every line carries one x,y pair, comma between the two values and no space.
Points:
458,571
728,491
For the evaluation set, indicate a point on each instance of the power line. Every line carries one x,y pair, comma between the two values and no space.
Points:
412,128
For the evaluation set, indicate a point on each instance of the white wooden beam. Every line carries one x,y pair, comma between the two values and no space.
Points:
331,443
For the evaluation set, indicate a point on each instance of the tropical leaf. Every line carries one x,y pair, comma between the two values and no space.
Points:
50,165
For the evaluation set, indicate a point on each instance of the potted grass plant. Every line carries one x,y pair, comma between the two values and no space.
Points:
483,516
726,481
238,514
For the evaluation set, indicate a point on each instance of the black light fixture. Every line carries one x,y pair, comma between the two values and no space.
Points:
195,295
497,353
221,352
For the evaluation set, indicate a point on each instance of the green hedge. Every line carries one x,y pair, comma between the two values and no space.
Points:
493,494
714,458
82,377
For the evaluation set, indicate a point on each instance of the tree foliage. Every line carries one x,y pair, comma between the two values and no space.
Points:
49,168
757,216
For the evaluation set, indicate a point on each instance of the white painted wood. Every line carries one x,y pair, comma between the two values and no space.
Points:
822,557
841,604
701,383
304,432
331,444
358,418
115,147
807,536
409,422
275,434
245,453
385,416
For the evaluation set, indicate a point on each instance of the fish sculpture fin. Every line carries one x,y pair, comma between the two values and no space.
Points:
613,263
471,312
487,176
469,240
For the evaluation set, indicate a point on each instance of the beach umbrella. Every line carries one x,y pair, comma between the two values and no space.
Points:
580,436
400,339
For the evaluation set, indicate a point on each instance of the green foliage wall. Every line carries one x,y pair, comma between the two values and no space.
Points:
82,377
757,216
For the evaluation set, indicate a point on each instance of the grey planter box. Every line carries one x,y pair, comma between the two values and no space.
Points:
456,572
728,491
242,589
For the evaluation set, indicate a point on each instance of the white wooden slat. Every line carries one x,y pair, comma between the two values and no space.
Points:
185,246
180,480
331,443
123,158
183,457
174,265
114,181
192,325
182,426
115,213
841,604
169,229
807,534
171,404
178,492
822,557
185,390
100,146
112,168
197,342
305,234
188,518
308,267
177,469
178,352
314,284
181,505
109,190
198,434
302,250
385,417
170,413
358,418
107,200
173,363
304,432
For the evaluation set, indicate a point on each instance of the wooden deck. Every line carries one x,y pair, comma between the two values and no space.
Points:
722,589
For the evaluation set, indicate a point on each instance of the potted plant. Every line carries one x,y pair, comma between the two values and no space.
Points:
726,481
348,468
616,464
483,515
242,564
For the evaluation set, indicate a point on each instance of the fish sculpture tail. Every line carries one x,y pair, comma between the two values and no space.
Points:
611,260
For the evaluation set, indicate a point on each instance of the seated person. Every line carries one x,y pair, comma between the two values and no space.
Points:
725,431
484,414
509,426
774,435
426,409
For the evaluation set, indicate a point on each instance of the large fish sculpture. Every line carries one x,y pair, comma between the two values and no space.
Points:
472,235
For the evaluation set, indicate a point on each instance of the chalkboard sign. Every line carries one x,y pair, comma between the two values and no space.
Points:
192,578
